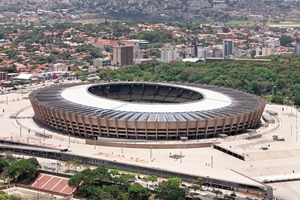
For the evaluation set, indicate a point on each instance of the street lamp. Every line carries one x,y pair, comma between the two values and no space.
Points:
44,135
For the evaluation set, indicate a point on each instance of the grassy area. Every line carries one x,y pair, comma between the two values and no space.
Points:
285,25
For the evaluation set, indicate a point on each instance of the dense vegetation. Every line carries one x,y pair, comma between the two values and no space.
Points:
104,184
254,77
14,170
154,36
21,171
101,183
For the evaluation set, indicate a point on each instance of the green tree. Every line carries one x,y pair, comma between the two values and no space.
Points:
285,40
76,179
151,178
154,52
76,164
297,98
24,170
195,187
113,192
9,158
12,53
170,189
90,191
3,164
114,172
175,181
125,179
217,192
155,36
279,99
138,192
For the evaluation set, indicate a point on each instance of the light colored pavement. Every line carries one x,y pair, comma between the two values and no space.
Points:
286,190
280,158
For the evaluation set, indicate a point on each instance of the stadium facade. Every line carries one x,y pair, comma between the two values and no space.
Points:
144,110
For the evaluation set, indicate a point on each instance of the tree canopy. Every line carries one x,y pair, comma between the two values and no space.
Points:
101,183
24,170
155,36
170,190
254,77
285,40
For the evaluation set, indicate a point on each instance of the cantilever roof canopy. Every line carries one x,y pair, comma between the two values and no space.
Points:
212,100
217,102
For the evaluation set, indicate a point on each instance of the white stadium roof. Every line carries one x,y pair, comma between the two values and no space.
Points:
211,100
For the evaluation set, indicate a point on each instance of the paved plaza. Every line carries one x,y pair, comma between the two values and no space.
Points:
280,158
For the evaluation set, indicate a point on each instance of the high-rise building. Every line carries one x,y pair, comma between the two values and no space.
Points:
257,51
122,55
137,53
3,76
169,53
272,42
195,49
201,52
267,51
228,48
297,49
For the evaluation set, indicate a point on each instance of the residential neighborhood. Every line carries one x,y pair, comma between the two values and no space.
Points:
61,48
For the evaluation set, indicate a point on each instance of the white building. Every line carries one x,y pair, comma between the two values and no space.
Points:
202,52
215,52
188,52
169,53
27,78
257,51
267,51
102,62
239,53
272,42
137,53
60,67
297,49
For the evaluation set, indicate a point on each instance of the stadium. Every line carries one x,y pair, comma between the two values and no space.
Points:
145,110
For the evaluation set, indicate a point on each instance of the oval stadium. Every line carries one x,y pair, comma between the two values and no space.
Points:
144,110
